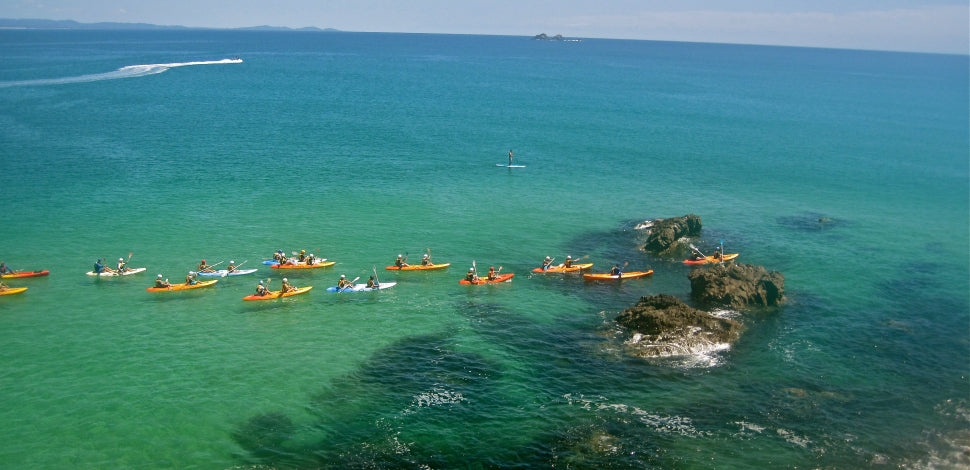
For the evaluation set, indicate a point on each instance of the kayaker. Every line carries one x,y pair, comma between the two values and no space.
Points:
546,263
310,259
4,269
470,276
697,256
261,289
99,267
279,256
616,271
426,260
372,284
286,287
343,283
510,157
122,265
205,268
401,262
159,282
231,267
190,278
491,273
302,257
569,262
717,253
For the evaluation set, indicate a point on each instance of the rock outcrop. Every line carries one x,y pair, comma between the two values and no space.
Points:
737,286
663,325
664,234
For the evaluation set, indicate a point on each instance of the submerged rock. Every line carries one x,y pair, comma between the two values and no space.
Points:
737,286
664,234
663,325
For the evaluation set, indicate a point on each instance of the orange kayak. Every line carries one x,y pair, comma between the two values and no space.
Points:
711,259
418,267
20,274
321,264
610,277
507,277
183,286
563,269
276,294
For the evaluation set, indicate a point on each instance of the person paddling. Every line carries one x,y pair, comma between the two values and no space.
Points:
4,269
510,157
159,282
286,287
344,283
261,289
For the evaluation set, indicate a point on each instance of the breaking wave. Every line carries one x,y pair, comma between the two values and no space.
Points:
129,71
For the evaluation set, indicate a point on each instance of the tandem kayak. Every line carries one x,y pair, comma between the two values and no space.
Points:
563,269
362,287
276,294
507,277
183,286
711,259
224,273
318,264
418,267
611,277
293,260
13,290
129,272
21,274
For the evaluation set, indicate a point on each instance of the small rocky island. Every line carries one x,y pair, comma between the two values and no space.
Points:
558,37
663,325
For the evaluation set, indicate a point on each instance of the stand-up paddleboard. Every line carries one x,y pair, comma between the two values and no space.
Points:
503,165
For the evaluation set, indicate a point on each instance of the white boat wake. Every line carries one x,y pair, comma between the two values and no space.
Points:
129,71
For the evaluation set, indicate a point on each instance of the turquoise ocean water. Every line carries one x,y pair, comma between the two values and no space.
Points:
358,147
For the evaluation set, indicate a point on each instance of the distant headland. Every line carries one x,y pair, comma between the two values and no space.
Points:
558,37
9,23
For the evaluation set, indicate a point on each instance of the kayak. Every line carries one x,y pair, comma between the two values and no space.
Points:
183,286
362,287
563,269
273,261
711,259
276,294
507,277
224,273
418,267
318,264
129,272
12,290
610,277
20,274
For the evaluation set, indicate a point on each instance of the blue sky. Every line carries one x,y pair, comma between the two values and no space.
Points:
902,25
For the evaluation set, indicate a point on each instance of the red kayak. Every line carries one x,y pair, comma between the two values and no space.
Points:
20,274
507,277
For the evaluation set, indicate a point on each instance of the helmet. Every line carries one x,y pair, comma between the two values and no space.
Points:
121,259
343,277
311,255
191,273
159,276
425,255
302,251
548,258
284,280
569,257
260,282
232,262
399,256
471,270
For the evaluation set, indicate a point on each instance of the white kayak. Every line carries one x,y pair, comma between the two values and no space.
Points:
129,272
362,287
224,273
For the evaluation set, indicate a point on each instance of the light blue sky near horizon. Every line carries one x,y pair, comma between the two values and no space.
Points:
941,26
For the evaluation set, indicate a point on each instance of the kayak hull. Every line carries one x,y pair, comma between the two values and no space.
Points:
115,274
13,291
183,286
418,267
23,274
276,294
711,259
610,277
324,264
507,277
362,287
575,268
224,273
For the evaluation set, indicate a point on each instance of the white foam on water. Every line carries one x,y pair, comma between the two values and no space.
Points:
128,71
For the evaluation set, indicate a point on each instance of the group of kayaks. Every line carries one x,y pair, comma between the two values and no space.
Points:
284,263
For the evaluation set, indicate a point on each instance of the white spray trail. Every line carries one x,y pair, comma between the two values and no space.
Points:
129,71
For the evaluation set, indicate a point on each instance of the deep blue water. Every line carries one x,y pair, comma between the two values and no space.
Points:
361,146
